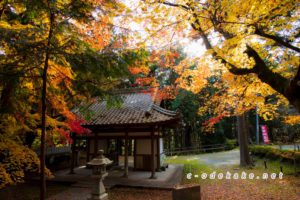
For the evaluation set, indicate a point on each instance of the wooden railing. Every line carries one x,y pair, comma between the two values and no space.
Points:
56,150
193,150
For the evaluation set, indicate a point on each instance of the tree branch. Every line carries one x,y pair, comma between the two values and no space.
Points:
260,32
275,80
232,68
289,89
174,5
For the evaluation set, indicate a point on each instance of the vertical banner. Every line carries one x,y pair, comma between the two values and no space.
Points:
265,134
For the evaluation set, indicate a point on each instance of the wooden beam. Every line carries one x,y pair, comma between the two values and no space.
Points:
126,156
152,155
169,123
114,137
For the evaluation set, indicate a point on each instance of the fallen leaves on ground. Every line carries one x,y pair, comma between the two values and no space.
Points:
139,194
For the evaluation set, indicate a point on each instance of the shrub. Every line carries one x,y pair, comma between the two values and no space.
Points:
230,144
15,161
275,154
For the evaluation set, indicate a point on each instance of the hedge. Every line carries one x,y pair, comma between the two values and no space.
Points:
275,154
230,144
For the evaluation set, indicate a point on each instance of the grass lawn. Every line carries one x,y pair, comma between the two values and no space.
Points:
30,191
286,188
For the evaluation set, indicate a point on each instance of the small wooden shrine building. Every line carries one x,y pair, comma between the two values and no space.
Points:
140,118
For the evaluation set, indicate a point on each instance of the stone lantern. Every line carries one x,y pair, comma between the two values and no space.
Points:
99,172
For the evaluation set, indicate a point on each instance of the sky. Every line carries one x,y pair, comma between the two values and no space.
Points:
192,47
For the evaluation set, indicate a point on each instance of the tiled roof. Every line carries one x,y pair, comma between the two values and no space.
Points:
138,108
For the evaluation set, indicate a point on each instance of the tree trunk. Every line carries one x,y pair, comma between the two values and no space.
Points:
188,137
44,108
243,141
169,140
8,91
183,144
248,128
176,140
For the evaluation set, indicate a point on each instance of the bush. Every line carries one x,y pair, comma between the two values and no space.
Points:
275,154
58,161
230,144
16,161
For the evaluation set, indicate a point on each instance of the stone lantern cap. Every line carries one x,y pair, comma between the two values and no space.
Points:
100,160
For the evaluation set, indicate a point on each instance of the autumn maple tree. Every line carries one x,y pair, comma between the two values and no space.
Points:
257,39
54,55
252,46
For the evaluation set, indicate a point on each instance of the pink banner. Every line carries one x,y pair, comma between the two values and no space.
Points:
265,133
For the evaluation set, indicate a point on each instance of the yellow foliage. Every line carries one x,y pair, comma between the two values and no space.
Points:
17,160
292,120
234,27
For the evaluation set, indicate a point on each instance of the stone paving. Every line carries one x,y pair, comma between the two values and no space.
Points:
82,181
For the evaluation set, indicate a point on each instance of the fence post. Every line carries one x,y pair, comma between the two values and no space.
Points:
265,162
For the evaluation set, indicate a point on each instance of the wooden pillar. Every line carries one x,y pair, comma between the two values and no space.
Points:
96,145
126,156
152,155
130,148
107,146
134,154
88,146
169,140
158,154
73,148
117,150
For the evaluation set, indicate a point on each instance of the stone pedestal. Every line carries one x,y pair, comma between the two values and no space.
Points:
98,192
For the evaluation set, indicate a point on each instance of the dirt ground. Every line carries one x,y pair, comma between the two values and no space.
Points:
30,191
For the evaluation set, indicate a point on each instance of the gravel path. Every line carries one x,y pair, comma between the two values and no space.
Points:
220,159
226,158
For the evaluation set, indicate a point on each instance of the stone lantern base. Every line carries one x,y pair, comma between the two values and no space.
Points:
98,192
97,197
